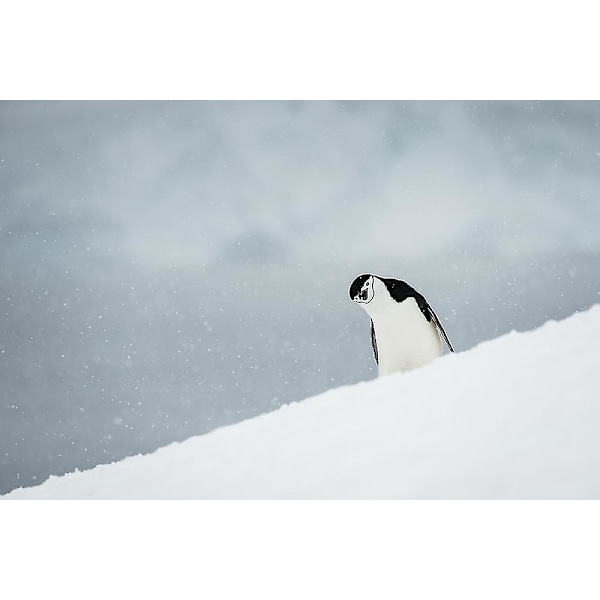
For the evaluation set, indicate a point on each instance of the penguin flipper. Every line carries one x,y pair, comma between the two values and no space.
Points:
430,315
439,327
374,342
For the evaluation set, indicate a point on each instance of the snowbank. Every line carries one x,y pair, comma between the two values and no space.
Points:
516,417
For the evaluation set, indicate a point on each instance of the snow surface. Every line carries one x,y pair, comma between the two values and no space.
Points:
515,417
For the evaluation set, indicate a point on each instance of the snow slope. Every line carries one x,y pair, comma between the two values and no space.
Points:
516,417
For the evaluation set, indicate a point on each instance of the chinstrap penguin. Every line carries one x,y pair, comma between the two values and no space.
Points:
405,332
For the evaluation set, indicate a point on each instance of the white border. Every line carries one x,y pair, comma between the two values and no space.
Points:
300,549
310,50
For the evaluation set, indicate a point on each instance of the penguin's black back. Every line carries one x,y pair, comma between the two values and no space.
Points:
400,291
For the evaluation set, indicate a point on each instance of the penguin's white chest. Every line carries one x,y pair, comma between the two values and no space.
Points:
405,339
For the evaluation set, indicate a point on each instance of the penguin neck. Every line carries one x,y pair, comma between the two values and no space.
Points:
380,311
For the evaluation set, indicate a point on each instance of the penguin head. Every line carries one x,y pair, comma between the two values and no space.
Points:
371,293
362,290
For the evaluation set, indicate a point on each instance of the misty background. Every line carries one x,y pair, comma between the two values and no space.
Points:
171,267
